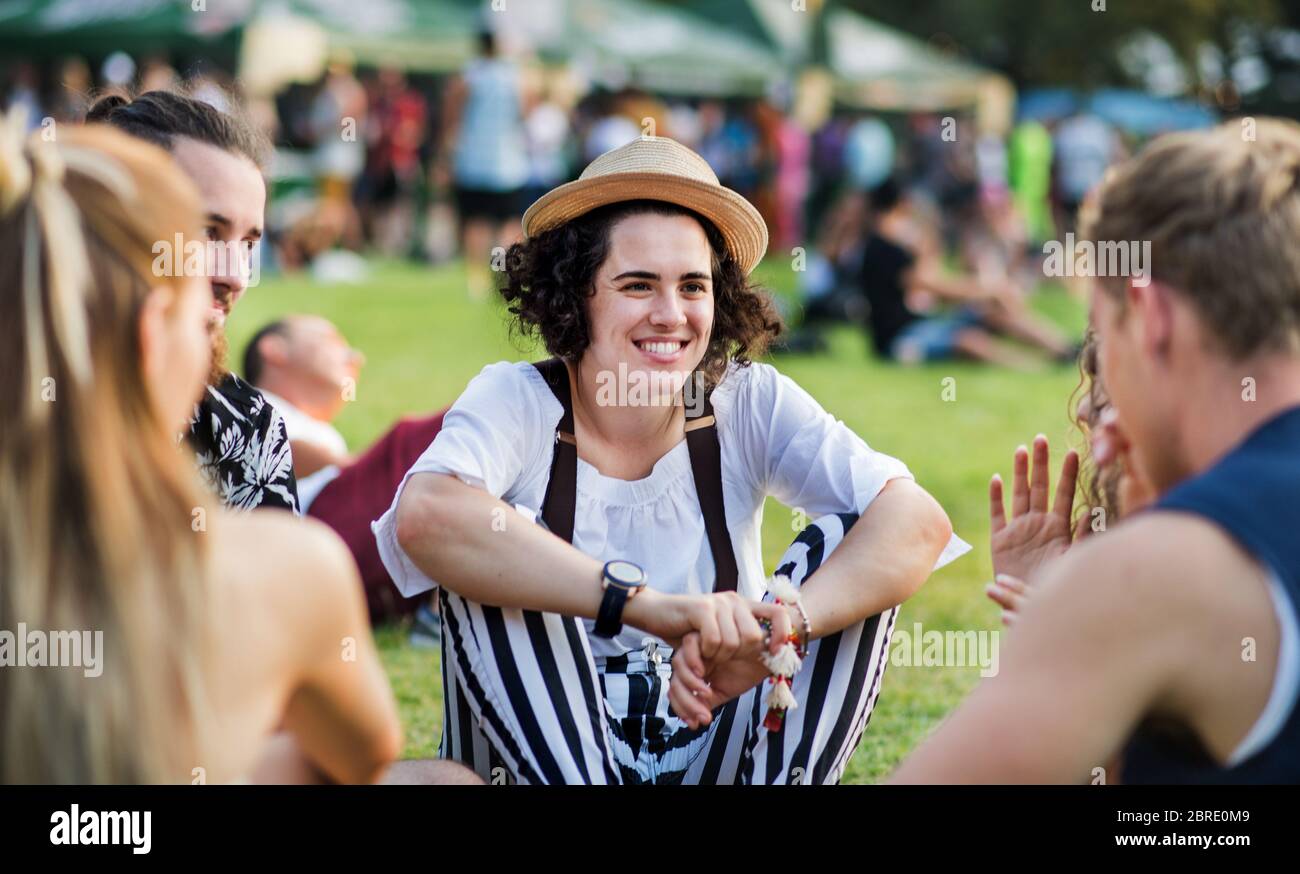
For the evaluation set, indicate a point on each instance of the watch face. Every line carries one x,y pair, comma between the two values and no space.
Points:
625,573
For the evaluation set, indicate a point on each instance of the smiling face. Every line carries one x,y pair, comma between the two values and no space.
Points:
652,307
233,196
321,356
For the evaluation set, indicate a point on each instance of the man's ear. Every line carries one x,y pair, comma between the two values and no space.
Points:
153,315
274,349
1153,307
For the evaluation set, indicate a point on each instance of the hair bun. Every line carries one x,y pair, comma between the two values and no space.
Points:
102,107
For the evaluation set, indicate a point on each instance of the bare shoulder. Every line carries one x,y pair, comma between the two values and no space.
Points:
1133,623
294,569
1166,566
1161,602
280,544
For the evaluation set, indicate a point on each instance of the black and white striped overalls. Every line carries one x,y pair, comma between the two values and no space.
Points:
526,701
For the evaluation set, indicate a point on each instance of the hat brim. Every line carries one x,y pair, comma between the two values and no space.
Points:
737,220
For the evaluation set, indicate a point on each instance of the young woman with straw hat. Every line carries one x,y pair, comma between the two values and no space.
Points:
628,637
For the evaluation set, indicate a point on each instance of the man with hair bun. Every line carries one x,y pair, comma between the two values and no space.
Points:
239,439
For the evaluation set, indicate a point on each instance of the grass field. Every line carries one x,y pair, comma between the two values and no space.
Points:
424,340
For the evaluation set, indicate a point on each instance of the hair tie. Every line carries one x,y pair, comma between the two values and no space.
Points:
15,169
46,162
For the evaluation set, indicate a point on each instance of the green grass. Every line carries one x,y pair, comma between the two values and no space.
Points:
424,340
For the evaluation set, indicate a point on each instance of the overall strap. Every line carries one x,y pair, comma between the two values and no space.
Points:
560,503
706,468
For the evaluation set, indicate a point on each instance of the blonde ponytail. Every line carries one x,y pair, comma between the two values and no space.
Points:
95,497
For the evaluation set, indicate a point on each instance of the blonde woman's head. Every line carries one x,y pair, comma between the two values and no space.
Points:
105,357
89,215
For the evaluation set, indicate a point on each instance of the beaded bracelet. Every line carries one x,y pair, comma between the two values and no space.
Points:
807,629
788,658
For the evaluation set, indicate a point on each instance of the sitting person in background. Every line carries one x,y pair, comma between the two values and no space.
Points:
829,285
308,371
898,277
304,367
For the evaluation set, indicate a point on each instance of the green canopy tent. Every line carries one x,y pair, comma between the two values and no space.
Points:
871,66
292,40
777,25
43,29
705,47
652,45
429,36
667,49
881,68
423,35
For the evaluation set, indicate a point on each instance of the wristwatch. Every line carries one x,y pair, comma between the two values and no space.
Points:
621,581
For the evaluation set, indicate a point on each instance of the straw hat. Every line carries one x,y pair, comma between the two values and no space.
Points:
655,168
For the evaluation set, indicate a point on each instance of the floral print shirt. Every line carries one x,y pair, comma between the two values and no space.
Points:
242,448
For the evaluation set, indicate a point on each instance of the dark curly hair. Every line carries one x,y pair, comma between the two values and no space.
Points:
548,278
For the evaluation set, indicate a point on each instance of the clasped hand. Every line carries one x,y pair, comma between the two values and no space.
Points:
719,640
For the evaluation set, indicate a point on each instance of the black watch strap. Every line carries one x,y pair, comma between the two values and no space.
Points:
609,619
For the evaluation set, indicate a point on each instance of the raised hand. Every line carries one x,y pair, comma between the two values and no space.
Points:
1035,534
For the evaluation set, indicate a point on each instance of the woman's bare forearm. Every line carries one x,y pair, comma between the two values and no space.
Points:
284,762
883,560
482,549
340,709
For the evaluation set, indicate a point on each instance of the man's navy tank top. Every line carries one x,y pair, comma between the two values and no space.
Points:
1253,494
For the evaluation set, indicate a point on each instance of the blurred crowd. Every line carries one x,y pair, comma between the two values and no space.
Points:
434,167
